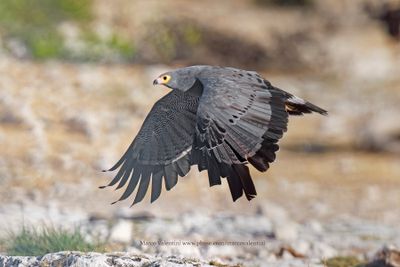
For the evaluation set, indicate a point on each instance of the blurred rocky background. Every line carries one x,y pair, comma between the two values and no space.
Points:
76,83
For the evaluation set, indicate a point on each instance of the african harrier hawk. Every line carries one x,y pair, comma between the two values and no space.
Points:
217,118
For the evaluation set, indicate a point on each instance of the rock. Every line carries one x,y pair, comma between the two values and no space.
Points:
302,247
7,261
275,212
283,228
8,116
271,258
315,226
381,132
76,259
97,230
181,250
221,251
260,226
122,232
287,231
79,124
294,262
324,251
129,214
17,48
286,255
388,256
161,228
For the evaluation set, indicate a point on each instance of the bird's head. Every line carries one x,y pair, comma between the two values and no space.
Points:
180,79
163,79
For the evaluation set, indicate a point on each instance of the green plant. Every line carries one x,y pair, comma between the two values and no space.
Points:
36,26
113,46
35,23
348,261
2,245
121,45
33,242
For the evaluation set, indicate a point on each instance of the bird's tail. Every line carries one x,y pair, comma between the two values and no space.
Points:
297,106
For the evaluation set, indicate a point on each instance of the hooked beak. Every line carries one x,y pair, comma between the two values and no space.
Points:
156,81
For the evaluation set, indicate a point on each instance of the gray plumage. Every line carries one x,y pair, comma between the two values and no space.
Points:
217,118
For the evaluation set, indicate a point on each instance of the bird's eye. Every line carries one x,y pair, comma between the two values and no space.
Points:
166,78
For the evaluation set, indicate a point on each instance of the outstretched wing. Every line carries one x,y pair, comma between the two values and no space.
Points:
241,117
161,149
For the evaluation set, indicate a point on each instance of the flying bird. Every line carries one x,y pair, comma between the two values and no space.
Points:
219,118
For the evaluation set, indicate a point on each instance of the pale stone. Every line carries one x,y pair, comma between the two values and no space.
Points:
122,231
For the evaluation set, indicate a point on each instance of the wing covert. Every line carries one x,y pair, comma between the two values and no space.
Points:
240,119
238,114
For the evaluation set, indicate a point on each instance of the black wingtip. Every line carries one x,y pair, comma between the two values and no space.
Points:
102,187
104,170
155,196
135,201
214,184
250,197
235,198
112,203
